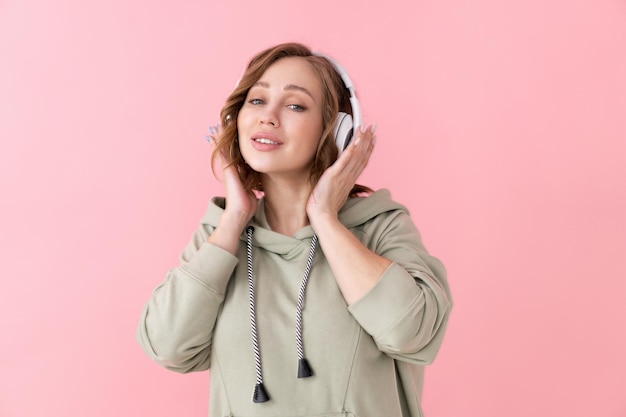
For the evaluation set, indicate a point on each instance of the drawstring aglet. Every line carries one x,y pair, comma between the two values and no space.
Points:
304,369
260,396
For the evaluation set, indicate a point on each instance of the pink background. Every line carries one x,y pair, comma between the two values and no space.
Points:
502,125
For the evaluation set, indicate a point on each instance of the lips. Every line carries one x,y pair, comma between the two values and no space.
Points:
266,138
263,141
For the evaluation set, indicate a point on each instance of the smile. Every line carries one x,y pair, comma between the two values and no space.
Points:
266,141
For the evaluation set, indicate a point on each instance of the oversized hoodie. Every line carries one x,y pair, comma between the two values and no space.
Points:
367,358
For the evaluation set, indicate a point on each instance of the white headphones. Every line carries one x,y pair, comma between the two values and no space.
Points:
346,125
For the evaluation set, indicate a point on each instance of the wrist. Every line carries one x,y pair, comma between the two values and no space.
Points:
234,222
321,220
227,232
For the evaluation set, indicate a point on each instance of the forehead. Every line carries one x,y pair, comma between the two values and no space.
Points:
293,71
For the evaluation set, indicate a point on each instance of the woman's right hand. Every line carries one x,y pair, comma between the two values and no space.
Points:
241,205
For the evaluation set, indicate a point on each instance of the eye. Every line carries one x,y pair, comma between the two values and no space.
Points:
296,107
256,101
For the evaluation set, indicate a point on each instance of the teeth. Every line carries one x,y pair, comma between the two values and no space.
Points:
266,141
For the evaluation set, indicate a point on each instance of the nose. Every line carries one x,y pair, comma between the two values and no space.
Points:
268,117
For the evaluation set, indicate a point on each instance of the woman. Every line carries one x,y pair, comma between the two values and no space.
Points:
305,294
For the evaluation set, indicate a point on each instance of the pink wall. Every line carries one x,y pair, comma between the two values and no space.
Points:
501,125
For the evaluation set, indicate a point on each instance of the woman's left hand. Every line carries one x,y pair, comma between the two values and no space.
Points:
333,188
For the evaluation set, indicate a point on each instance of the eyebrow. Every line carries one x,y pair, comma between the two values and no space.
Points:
287,87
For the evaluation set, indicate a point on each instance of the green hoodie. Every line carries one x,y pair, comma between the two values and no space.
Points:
367,358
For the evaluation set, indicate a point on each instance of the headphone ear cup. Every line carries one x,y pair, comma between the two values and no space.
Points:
343,131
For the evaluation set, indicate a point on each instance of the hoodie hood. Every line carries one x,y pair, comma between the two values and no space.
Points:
356,212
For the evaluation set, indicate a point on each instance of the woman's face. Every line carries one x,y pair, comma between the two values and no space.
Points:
280,123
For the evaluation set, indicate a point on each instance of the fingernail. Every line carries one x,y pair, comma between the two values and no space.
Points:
208,138
357,140
362,129
211,130
373,128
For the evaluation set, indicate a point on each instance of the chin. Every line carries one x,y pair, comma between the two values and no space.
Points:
262,167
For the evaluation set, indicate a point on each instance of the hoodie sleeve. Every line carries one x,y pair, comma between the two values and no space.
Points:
176,325
406,312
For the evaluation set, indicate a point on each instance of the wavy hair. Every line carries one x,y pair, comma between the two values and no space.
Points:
336,98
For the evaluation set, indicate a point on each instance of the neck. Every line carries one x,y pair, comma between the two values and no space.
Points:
285,205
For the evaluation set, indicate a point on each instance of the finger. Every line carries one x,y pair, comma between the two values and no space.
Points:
212,136
360,152
363,134
349,171
364,143
354,159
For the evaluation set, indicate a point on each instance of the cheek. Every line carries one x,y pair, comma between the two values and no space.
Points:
244,147
316,131
241,144
246,115
241,119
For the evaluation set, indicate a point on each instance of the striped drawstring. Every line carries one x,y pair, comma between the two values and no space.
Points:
259,395
304,370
